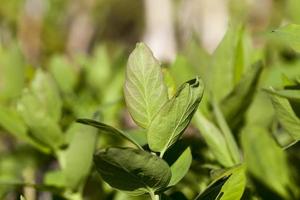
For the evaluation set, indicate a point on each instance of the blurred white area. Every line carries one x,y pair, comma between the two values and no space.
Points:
160,31
207,19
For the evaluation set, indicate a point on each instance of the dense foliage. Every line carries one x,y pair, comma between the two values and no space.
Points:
111,124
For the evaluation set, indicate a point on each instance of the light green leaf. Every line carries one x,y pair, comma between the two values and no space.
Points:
109,129
234,187
236,103
171,121
220,76
133,170
289,34
265,160
64,74
145,91
228,136
22,197
214,139
78,157
12,122
44,90
285,114
12,72
42,128
99,70
293,95
55,179
179,160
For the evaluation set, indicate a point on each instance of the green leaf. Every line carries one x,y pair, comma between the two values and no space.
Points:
289,34
285,114
55,179
179,158
132,170
109,129
265,160
220,76
228,136
99,69
78,157
230,185
145,91
214,139
12,122
44,90
293,95
171,121
235,185
236,103
42,128
12,72
22,198
64,74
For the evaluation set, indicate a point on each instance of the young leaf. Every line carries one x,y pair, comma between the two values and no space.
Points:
109,129
235,104
79,155
290,35
132,170
265,160
145,91
214,139
286,115
171,121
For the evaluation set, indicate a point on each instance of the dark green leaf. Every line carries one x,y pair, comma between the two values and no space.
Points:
132,169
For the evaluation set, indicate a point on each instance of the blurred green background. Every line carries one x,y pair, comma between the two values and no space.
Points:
64,59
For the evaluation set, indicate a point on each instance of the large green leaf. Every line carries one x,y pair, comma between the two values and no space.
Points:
109,129
266,161
78,157
236,103
171,121
132,170
145,91
214,139
289,34
285,114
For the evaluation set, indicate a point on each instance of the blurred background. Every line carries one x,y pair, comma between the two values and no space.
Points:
64,59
